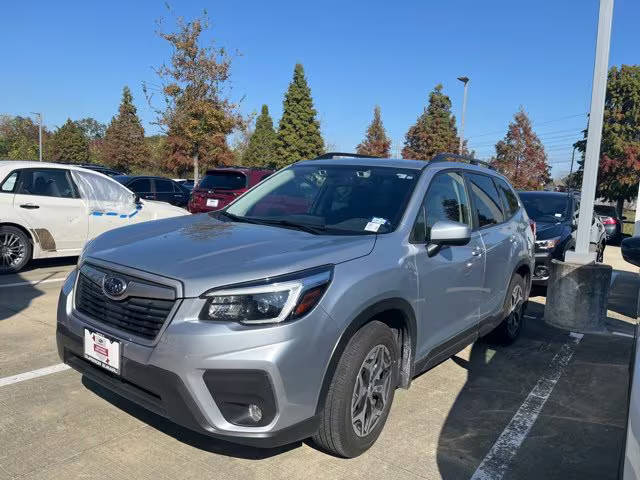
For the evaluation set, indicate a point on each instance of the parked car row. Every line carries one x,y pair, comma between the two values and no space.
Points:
556,219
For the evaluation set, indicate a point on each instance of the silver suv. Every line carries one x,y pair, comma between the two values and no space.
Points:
297,310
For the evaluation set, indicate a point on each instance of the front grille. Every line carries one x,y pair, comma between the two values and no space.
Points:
143,317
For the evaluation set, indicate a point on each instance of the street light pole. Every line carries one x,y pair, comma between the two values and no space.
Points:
464,80
39,134
594,137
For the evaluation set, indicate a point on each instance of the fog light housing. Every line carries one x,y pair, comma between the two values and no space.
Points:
244,397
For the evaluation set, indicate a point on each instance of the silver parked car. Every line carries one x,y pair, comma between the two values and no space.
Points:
297,310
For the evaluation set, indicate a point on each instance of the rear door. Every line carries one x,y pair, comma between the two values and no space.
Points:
450,283
497,238
142,186
48,201
165,191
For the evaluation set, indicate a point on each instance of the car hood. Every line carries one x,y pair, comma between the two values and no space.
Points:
545,231
203,252
157,209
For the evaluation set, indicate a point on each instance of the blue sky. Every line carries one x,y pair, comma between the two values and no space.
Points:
71,59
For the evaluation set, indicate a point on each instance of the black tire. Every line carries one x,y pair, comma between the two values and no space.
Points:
337,433
14,242
513,313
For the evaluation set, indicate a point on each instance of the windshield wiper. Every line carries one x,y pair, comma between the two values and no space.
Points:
236,218
305,227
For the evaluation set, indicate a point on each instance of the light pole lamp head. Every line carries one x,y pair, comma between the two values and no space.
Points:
464,80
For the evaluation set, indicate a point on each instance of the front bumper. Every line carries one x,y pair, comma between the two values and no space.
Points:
542,268
168,377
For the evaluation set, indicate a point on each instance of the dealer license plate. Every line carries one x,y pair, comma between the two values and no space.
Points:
102,351
212,202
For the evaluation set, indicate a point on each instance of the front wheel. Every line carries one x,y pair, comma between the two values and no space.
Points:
361,392
15,249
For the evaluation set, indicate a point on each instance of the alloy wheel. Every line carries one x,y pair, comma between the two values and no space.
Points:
515,310
12,250
371,390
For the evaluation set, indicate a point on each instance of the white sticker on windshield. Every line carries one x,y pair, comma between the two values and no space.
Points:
371,227
379,220
558,215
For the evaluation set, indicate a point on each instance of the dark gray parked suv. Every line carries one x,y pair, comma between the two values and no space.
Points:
297,310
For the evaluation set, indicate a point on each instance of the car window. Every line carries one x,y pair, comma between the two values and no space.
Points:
446,199
547,207
509,200
142,185
486,200
163,186
101,194
223,181
9,183
49,182
341,199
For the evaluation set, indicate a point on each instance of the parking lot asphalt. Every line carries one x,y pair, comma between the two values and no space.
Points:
550,406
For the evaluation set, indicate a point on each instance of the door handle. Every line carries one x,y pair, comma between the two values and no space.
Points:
29,206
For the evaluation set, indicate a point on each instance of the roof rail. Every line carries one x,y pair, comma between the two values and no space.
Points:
332,155
454,157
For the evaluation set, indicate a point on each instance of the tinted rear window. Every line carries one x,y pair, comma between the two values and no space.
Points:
605,210
223,181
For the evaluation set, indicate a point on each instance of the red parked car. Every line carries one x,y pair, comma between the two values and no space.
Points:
220,186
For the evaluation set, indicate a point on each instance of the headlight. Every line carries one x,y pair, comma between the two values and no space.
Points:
274,301
547,244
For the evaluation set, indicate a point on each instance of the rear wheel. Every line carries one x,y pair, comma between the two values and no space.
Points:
512,323
361,392
15,249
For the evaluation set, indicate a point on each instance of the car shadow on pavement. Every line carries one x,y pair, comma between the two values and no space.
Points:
579,432
184,435
16,299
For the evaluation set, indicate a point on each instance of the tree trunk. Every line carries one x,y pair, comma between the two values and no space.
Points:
620,206
195,170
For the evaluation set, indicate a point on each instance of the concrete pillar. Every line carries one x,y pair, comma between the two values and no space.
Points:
577,296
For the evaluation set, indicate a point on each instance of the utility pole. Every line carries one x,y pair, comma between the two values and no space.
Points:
594,137
39,134
572,156
464,80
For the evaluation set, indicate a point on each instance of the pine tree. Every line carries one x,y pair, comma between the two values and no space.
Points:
376,142
299,135
123,147
261,148
520,156
68,144
435,130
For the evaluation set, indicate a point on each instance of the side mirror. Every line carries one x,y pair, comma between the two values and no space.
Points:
136,199
446,232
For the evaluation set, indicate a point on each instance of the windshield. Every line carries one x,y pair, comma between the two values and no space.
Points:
223,181
335,199
545,207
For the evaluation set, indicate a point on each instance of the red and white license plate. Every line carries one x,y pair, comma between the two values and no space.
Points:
212,202
102,351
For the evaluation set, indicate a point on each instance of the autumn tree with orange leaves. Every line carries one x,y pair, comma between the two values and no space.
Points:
196,113
520,156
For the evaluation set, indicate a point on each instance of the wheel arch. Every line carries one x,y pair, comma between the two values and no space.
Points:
398,315
22,229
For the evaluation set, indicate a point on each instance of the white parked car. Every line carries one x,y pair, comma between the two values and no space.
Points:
52,210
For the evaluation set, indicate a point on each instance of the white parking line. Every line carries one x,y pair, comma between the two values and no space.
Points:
21,377
35,282
495,464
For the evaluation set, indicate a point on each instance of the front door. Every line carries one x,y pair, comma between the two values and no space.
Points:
449,282
48,201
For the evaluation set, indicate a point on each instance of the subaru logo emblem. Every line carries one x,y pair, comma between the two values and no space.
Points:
114,287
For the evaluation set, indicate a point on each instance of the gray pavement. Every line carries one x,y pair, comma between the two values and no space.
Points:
61,426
